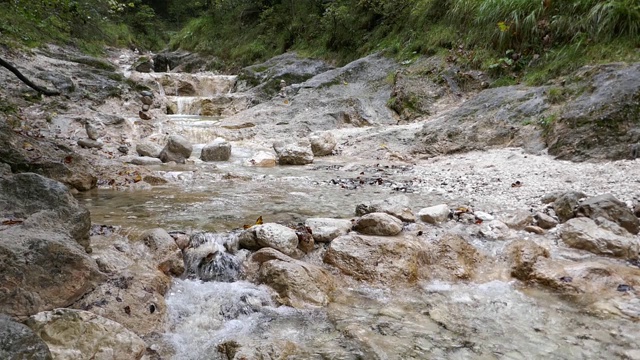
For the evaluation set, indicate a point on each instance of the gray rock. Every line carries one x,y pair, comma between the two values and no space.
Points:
147,148
495,230
327,229
109,119
178,149
92,130
322,144
145,107
565,204
101,338
146,93
545,221
293,153
551,197
262,159
88,143
165,251
144,65
218,150
397,206
534,229
145,161
17,341
584,233
434,214
483,216
608,207
5,169
519,219
147,100
271,235
380,224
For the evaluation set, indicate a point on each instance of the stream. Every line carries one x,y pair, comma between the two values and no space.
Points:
236,319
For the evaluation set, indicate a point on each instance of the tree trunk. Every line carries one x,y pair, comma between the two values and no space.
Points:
27,81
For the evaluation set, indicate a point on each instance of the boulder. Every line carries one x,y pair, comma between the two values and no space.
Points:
322,144
147,148
75,334
327,229
218,150
397,206
523,255
165,251
565,204
584,233
434,214
143,64
262,159
608,207
545,221
178,149
376,259
297,283
495,230
293,153
17,341
380,224
519,219
451,258
90,144
271,235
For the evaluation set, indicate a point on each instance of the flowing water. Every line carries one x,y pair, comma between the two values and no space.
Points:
217,314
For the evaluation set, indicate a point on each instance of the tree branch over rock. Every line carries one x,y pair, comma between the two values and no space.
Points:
24,79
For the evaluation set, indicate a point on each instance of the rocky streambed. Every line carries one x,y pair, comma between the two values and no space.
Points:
404,212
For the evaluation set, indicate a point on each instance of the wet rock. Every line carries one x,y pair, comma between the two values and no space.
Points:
209,262
76,334
147,100
305,238
534,229
434,214
178,149
519,219
495,230
17,341
523,255
88,143
144,64
92,130
600,123
566,203
373,258
322,144
608,207
450,258
271,235
145,161
327,229
154,180
545,221
166,253
218,150
262,159
397,206
380,224
293,153
147,148
481,215
297,283
584,233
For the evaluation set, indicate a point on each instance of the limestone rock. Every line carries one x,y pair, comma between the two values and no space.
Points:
75,334
450,258
293,153
534,229
434,214
322,144
374,258
178,149
145,161
91,144
566,203
380,224
495,230
262,159
545,221
218,150
297,283
165,251
327,229
397,206
483,216
92,130
271,235
147,148
608,207
17,341
523,256
519,219
583,233
147,100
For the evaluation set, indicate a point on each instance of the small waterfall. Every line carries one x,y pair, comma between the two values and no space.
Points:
209,257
